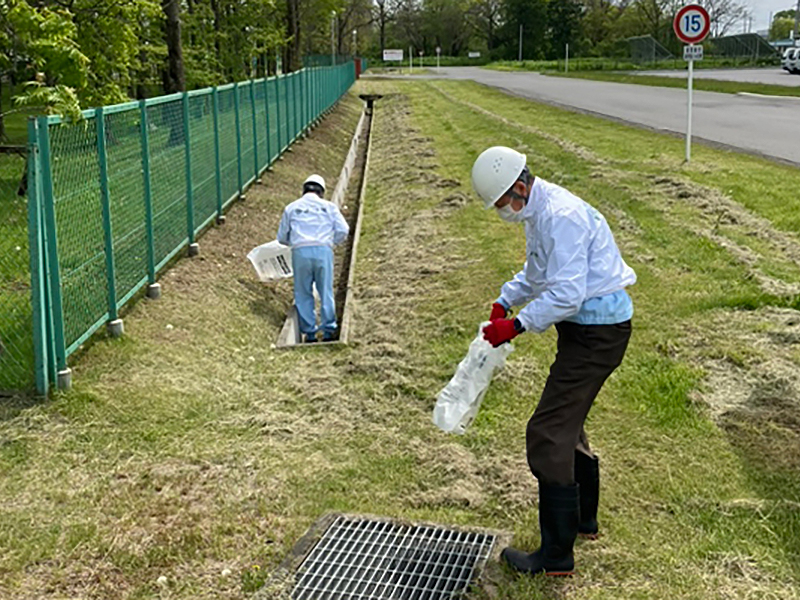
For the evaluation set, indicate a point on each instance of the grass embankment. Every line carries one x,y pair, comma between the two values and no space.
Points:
191,446
706,85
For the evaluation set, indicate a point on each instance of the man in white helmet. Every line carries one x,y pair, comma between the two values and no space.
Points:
312,226
573,278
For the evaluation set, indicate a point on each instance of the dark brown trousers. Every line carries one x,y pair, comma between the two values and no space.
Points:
586,356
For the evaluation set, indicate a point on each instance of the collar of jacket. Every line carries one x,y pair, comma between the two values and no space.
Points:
533,198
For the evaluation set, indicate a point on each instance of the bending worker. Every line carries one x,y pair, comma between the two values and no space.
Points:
573,278
312,225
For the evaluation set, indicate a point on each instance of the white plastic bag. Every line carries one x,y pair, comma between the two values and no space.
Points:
272,261
458,403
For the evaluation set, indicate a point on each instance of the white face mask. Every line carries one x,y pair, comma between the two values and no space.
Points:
509,214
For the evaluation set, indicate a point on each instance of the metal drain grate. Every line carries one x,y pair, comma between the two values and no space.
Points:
360,559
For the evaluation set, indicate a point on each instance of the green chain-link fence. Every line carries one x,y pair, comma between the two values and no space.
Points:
745,45
112,199
16,342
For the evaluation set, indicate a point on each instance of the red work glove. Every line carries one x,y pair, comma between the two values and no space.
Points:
500,331
498,312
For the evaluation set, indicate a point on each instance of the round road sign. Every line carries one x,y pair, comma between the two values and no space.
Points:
691,24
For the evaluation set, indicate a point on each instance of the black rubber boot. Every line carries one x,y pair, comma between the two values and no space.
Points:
587,476
558,520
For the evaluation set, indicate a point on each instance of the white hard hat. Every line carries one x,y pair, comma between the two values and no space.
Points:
316,179
495,171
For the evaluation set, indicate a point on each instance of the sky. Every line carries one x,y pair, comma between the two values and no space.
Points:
760,10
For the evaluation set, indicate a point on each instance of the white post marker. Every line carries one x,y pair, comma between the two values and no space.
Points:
566,62
691,25
420,59
438,52
410,61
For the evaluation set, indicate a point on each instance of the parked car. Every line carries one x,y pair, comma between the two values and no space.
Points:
789,62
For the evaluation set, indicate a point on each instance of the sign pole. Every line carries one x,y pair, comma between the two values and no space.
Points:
691,25
689,109
410,61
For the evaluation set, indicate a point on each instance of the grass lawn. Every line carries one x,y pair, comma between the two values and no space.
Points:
191,448
16,346
706,85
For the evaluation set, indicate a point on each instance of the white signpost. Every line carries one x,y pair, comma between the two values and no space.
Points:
438,53
393,55
691,25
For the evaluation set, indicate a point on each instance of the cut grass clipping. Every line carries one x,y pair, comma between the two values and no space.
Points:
192,454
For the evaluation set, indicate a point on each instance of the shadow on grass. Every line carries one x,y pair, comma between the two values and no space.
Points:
11,405
265,302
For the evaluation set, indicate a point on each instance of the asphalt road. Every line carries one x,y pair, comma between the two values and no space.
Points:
769,126
769,75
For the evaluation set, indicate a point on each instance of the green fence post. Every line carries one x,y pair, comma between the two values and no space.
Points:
255,128
303,102
37,265
194,248
217,159
56,348
266,118
238,140
114,326
278,113
153,289
309,98
296,103
317,92
289,138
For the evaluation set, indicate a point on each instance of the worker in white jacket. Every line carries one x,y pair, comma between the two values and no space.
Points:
573,278
312,226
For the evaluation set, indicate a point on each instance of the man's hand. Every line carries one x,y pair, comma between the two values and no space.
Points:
500,331
498,312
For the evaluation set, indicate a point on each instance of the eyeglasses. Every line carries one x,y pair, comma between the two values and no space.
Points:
508,196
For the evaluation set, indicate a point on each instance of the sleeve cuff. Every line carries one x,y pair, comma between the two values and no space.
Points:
503,303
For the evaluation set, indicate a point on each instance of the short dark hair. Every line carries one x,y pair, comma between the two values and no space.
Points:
314,188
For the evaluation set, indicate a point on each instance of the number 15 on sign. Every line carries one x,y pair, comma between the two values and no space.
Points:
691,25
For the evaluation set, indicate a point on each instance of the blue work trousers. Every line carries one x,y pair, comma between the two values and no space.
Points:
313,266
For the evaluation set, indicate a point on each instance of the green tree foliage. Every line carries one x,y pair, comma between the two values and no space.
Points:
39,45
563,24
109,33
781,29
532,16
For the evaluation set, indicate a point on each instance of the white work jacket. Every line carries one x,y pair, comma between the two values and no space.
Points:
312,221
571,257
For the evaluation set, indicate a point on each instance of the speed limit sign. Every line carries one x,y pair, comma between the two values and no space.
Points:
691,24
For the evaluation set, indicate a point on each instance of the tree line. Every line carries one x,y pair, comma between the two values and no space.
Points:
91,52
